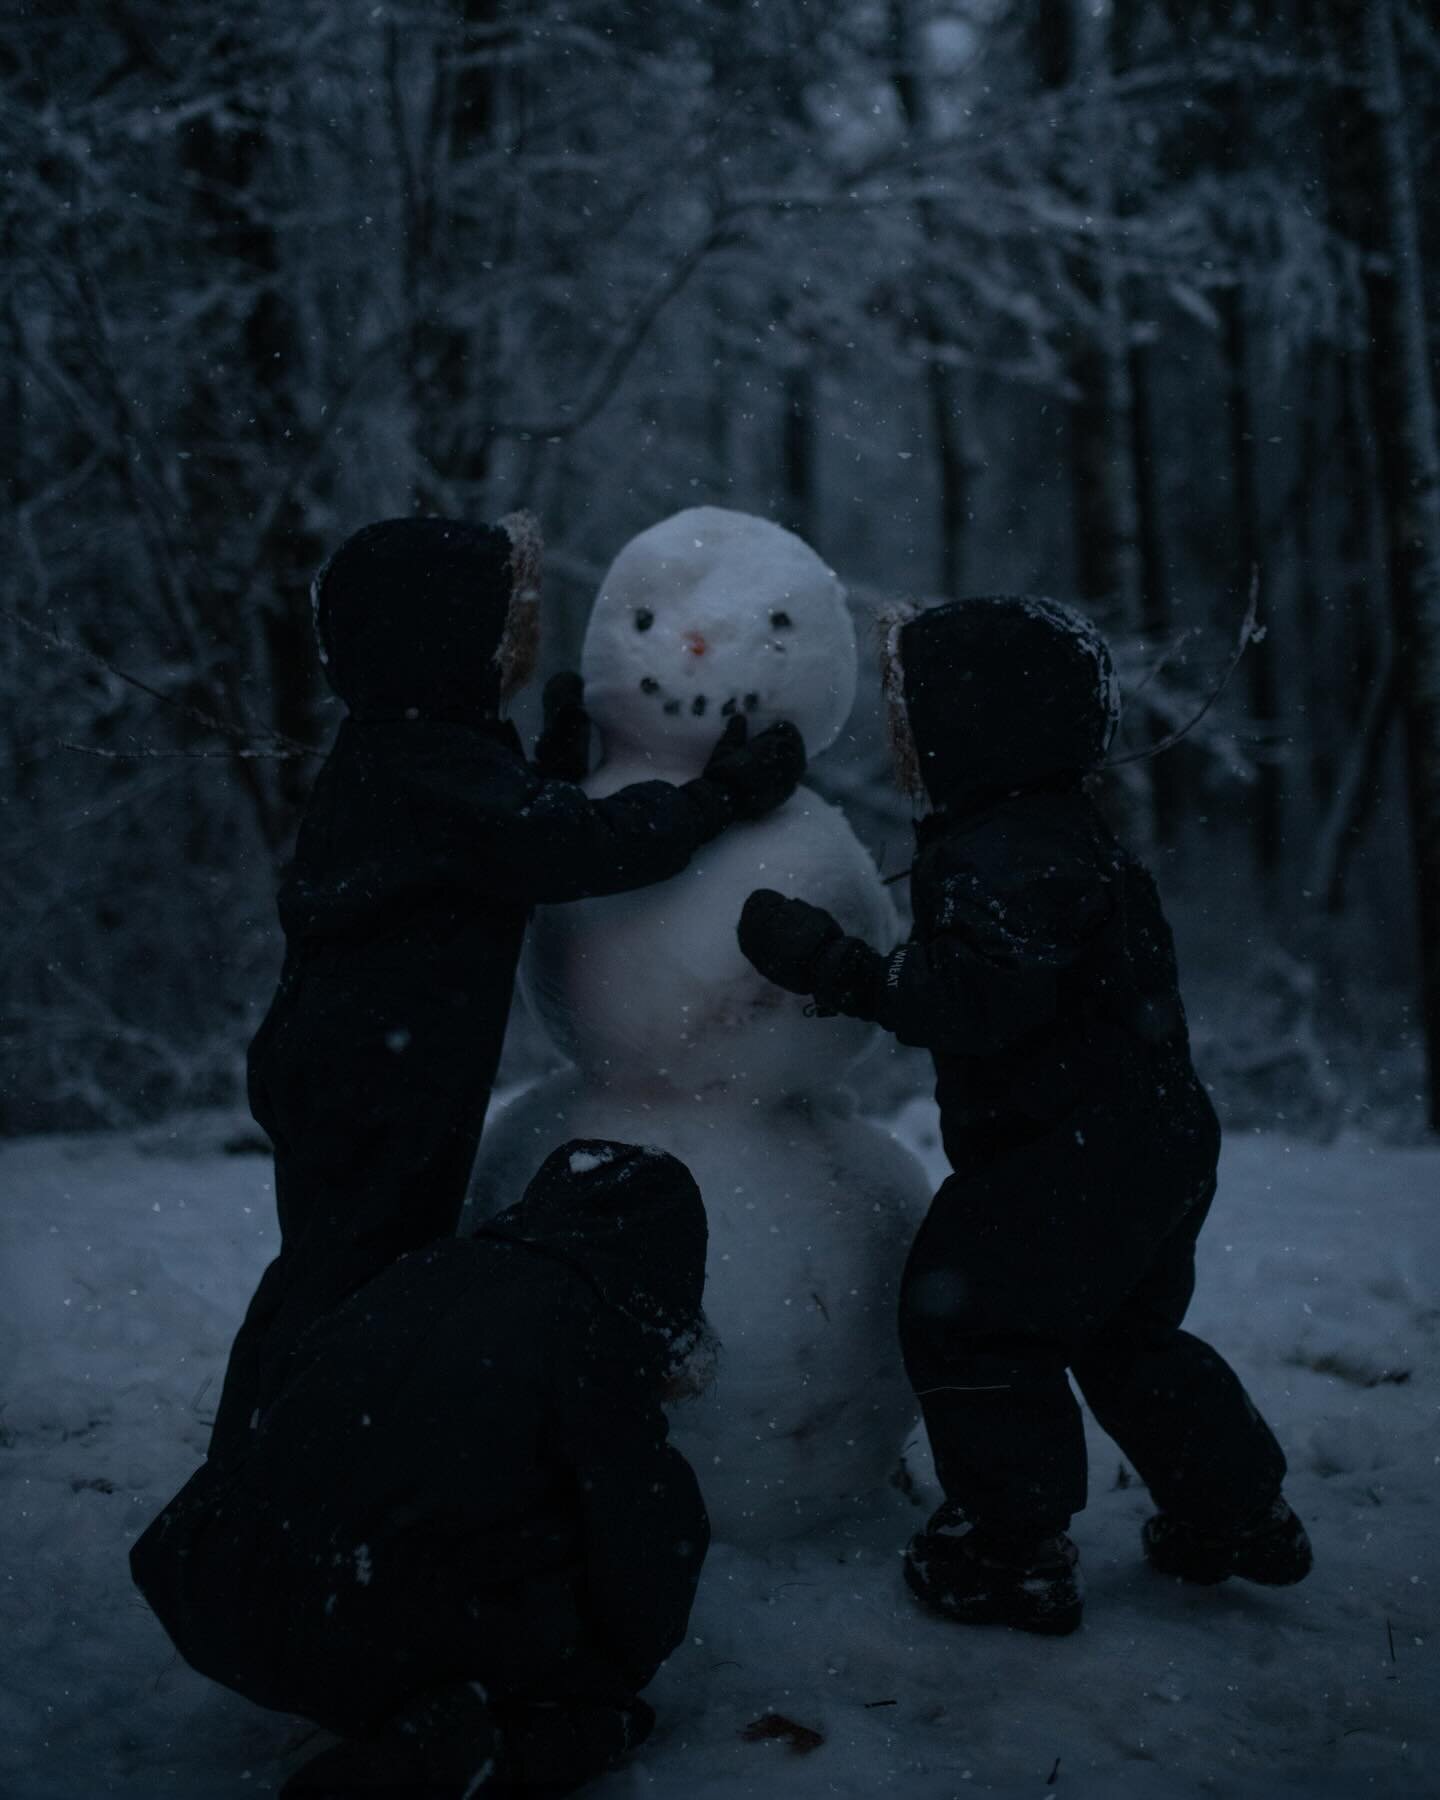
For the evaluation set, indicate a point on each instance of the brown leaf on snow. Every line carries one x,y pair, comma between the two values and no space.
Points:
800,1738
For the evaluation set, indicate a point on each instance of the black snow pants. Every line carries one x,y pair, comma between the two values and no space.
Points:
371,1074
1076,1251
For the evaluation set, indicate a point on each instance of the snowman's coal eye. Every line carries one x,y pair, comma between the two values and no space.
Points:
781,621
644,619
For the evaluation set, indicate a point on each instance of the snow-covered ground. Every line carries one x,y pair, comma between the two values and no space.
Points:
125,1262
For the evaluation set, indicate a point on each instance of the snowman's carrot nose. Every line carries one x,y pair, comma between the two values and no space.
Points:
695,643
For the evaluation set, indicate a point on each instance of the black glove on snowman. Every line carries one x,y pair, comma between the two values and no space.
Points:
754,775
804,949
562,751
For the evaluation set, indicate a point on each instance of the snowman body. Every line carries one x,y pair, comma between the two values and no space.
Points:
800,1408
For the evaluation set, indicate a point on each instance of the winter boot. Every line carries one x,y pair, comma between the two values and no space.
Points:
442,1745
556,1747
1271,1546
975,1577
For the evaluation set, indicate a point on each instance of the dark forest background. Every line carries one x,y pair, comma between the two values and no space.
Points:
1121,301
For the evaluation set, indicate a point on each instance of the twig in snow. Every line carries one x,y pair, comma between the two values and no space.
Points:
775,1726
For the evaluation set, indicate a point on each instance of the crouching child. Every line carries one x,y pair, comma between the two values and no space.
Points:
459,1536
1041,976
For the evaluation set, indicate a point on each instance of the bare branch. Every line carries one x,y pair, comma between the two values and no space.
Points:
623,352
209,721
1242,641
144,753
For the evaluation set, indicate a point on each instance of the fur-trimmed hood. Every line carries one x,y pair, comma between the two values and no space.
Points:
430,618
995,694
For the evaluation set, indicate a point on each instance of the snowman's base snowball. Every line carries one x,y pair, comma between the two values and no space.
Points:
811,1211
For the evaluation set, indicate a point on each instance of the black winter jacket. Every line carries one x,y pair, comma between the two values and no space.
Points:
1041,973
426,811
466,1474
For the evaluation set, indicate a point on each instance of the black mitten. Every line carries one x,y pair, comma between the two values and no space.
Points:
785,938
562,751
803,949
756,776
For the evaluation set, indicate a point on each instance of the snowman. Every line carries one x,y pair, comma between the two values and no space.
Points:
798,1406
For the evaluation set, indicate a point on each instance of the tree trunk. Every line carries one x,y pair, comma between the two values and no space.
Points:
797,451
1312,615
1405,419
1364,563
1108,560
450,364
944,398
1105,436
1106,518
1267,817
240,420
1166,788
1356,792
955,475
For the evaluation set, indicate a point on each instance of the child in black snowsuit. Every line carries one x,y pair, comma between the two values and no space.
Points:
427,840
1041,976
458,1535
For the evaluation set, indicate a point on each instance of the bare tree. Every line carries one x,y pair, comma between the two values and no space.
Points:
1380,207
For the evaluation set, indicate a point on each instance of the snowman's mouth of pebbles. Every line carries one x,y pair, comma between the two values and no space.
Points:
698,705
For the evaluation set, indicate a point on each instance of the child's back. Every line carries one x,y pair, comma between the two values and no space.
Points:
427,840
1080,1004
1041,976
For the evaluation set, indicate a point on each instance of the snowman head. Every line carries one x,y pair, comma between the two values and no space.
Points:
708,614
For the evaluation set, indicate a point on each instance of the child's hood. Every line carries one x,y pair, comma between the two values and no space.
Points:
999,693
631,1219
429,618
